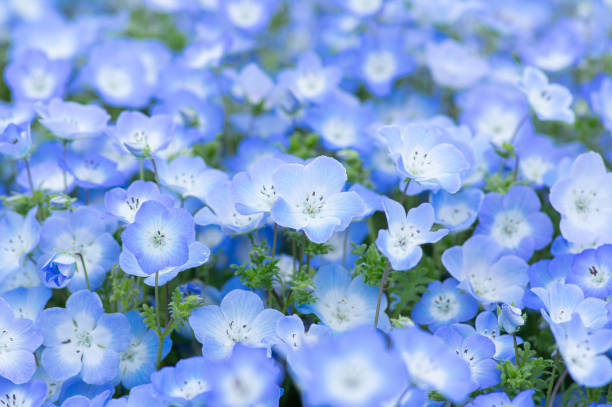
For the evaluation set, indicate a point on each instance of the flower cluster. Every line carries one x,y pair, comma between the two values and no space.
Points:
341,203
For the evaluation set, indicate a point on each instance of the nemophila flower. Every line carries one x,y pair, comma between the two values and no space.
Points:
125,203
30,394
487,324
246,378
185,384
118,75
425,154
342,302
431,365
457,211
141,135
515,222
539,159
47,175
143,395
16,140
253,84
18,237
92,170
442,60
477,350
362,8
58,271
510,318
206,53
591,271
354,368
561,301
198,255
240,317
254,190
401,243
71,120
584,200
82,401
159,237
222,210
559,46
81,231
19,338
523,399
32,76
310,198
601,100
549,101
583,351
543,273
82,339
485,272
27,303
249,15
310,81
137,361
189,176
341,122
292,336
443,304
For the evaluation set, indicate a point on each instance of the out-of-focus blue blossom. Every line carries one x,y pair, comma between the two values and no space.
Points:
142,135
19,235
185,384
311,81
425,154
442,61
559,47
457,211
543,273
592,272
92,170
515,222
485,272
344,302
29,302
15,140
70,120
82,339
443,304
584,200
401,243
82,401
189,176
601,99
549,101
240,317
354,368
35,77
249,16
523,399
19,338
254,190
310,198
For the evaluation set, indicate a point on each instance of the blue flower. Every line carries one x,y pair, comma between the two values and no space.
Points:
515,222
442,60
189,176
82,339
159,237
241,317
250,16
401,243
92,170
485,272
137,362
457,211
601,100
291,336
142,135
16,140
550,101
125,203
35,77
19,338
81,231
583,351
443,304
31,394
18,237
246,378
186,385
71,121
431,365
488,325
523,399
426,154
311,81
58,271
477,350
592,272
510,318
543,273
354,368
143,395
27,302
82,401
561,301
343,303
253,84
254,190
310,198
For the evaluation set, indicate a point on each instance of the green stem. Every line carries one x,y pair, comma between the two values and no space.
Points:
609,394
141,169
404,192
516,353
380,293
552,378
556,388
167,300
302,250
274,241
155,171
27,165
160,337
84,270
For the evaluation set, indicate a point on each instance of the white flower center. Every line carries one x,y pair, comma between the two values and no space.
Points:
444,306
38,84
598,276
114,81
380,66
189,389
338,131
454,214
509,228
311,84
313,204
245,13
534,168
